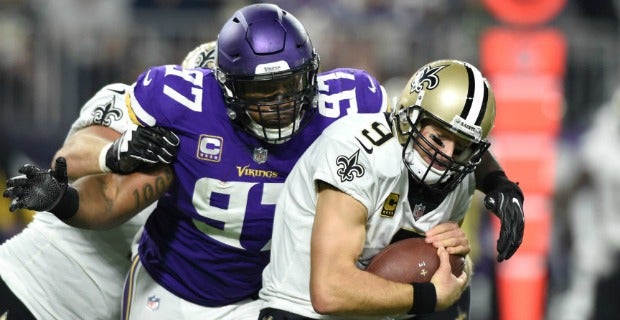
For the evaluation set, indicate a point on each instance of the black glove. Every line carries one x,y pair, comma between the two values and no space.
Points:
505,199
37,189
138,146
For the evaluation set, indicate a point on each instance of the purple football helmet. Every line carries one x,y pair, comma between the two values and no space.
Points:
267,68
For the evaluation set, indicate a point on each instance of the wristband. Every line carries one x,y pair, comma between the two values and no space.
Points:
68,206
424,298
102,158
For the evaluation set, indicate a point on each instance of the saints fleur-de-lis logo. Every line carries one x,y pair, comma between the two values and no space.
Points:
105,114
349,168
428,76
205,58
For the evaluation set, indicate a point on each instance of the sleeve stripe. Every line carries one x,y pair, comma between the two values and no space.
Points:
137,114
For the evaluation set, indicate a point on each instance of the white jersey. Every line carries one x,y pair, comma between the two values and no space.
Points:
106,108
61,272
358,155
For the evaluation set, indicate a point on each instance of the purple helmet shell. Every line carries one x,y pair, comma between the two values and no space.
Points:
267,67
260,34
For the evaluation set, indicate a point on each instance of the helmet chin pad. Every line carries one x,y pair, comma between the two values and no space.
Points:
424,171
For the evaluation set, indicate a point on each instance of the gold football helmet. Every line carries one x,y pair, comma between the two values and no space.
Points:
455,96
203,56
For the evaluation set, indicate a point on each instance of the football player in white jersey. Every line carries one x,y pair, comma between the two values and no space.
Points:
372,179
53,271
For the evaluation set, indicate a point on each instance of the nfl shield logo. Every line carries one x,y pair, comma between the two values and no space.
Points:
153,303
418,211
260,155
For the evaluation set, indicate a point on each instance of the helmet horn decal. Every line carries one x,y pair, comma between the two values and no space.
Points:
428,77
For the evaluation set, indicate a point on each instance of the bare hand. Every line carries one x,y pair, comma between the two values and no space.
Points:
450,236
447,286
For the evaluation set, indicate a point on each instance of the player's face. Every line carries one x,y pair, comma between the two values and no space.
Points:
438,146
273,106
273,111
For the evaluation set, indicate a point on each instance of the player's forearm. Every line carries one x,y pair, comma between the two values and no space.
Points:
337,286
83,148
108,200
488,164
356,292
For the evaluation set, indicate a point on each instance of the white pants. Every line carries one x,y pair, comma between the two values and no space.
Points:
146,299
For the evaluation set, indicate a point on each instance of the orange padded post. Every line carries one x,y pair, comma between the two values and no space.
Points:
527,104
522,286
528,158
526,67
524,12
517,51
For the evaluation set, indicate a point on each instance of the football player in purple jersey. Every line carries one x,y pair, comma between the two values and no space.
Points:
205,245
241,129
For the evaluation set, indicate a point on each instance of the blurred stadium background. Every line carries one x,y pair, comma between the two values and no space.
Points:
552,63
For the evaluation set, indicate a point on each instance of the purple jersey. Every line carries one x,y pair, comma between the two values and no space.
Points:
208,240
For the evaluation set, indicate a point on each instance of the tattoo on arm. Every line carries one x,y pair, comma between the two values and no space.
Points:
104,182
152,191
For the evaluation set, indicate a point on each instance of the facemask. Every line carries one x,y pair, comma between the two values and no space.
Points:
418,166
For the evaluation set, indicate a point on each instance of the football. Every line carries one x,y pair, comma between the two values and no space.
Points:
411,260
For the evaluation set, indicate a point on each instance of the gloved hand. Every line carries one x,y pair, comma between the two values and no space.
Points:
505,200
37,189
138,146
